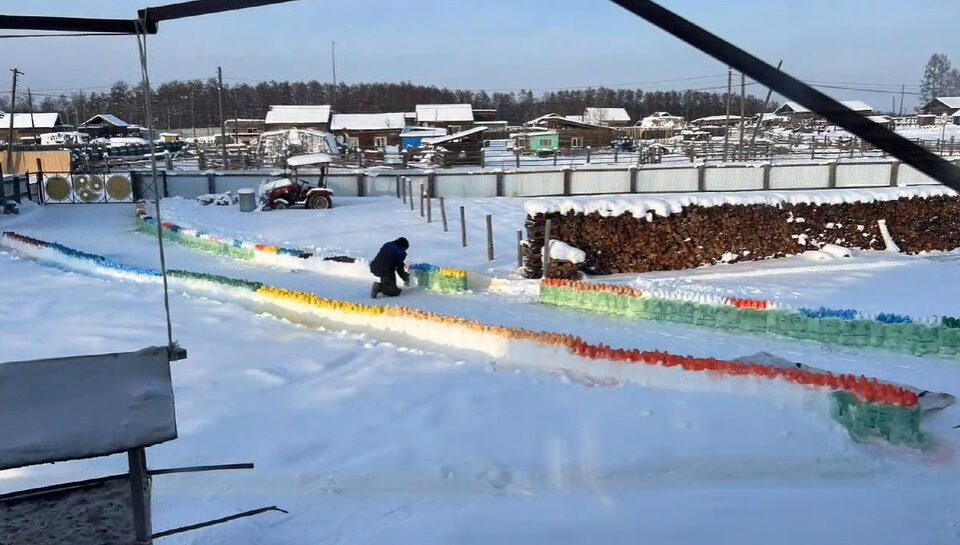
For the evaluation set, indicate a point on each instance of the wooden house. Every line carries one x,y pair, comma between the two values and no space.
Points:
283,117
106,126
462,148
29,126
795,111
244,131
538,142
368,131
942,106
607,117
453,117
573,134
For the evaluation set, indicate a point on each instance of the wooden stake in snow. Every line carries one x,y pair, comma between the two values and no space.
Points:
463,228
519,249
429,205
443,215
421,200
489,237
546,247
410,193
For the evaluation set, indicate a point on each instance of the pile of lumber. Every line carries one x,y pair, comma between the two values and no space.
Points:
699,235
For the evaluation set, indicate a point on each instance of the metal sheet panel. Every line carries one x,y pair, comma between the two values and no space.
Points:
733,178
907,175
863,174
380,186
342,185
68,408
187,186
799,176
466,185
660,180
599,181
532,184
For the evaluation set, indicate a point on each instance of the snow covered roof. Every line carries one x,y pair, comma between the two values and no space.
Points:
605,115
309,159
672,203
109,119
298,115
950,102
568,119
367,122
444,113
795,107
455,136
880,118
715,119
28,121
577,118
422,132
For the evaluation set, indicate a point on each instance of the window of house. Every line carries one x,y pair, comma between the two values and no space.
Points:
546,143
380,141
353,142
454,129
576,142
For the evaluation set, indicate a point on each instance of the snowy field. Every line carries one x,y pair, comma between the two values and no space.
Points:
366,441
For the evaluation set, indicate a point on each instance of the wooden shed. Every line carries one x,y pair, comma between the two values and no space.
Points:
462,148
574,134
282,117
368,131
453,117
942,106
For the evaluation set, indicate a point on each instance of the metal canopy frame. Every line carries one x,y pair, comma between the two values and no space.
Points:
790,87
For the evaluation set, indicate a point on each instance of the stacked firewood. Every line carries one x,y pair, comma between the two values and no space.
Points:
700,236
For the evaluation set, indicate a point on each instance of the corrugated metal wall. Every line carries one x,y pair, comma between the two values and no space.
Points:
659,180
529,184
599,181
381,186
344,185
733,178
800,177
471,186
863,175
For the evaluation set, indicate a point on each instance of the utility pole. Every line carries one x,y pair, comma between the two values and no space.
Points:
193,123
766,103
743,112
8,166
333,63
726,132
903,87
33,125
223,126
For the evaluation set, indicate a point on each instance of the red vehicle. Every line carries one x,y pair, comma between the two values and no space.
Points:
292,191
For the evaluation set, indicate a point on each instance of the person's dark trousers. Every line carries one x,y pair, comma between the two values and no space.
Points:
388,285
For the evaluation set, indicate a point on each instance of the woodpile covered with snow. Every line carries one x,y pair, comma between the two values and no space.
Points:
671,236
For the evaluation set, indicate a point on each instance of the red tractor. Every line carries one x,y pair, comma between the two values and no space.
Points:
292,191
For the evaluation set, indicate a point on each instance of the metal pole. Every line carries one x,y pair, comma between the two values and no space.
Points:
223,127
443,215
403,189
139,481
489,237
726,132
410,192
429,205
546,248
33,125
743,112
421,200
333,62
463,228
13,102
766,103
519,249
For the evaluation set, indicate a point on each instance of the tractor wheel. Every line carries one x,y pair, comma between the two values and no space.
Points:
278,205
318,202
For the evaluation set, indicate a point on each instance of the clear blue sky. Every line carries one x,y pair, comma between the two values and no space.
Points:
497,44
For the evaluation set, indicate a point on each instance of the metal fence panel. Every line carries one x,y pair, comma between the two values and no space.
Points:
599,181
660,180
532,184
863,174
907,175
799,176
188,186
342,185
466,185
380,186
733,178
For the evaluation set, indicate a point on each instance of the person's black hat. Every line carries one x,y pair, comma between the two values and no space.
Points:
403,243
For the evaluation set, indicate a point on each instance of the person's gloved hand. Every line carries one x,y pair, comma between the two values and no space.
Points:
406,279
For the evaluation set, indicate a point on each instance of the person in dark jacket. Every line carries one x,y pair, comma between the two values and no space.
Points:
388,265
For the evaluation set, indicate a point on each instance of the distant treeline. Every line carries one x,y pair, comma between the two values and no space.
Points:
181,104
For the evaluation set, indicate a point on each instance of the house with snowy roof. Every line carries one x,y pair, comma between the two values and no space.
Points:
28,126
105,126
453,117
368,131
941,106
796,111
607,117
282,117
572,133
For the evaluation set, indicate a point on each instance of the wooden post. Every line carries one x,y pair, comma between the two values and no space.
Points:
546,247
516,154
463,228
443,215
40,180
555,153
813,148
139,480
952,138
616,154
519,249
398,186
489,237
403,190
726,125
410,192
422,192
589,150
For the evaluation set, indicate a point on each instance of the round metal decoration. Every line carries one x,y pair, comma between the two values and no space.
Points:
119,188
57,188
88,187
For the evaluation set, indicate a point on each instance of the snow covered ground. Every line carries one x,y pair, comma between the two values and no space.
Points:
367,441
